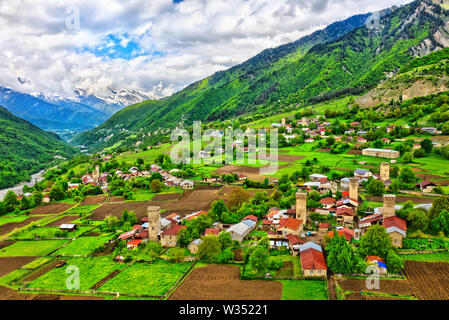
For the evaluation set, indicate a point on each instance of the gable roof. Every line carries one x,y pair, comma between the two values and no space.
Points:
345,211
290,223
250,217
348,233
327,200
215,231
173,231
395,222
127,235
294,239
312,259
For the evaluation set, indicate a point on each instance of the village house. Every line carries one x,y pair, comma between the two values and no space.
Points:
377,265
348,233
345,216
381,153
427,186
169,237
290,226
362,174
187,185
240,230
70,227
312,260
194,246
396,229
328,202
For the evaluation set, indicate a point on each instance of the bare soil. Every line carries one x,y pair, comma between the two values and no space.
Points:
9,264
52,208
222,282
9,227
93,200
65,219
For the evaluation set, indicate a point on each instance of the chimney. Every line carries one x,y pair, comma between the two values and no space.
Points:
301,206
389,205
154,223
385,171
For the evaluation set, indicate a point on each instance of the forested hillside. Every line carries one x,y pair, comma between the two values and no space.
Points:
26,149
313,70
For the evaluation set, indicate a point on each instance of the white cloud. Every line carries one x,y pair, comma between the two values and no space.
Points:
196,38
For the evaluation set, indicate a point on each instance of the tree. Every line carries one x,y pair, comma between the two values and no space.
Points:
376,187
10,200
408,157
258,259
441,223
56,192
210,248
394,263
225,240
237,197
407,175
25,203
375,242
427,145
110,223
440,204
37,198
177,254
156,186
217,209
341,257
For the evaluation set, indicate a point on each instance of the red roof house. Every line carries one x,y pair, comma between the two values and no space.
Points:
215,231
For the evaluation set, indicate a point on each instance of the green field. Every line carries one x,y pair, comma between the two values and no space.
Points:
31,248
91,270
83,246
427,257
303,290
12,218
47,233
147,279
37,263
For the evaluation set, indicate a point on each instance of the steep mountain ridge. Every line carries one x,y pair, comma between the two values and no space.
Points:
26,149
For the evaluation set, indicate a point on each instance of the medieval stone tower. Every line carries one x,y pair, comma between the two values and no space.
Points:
301,206
354,189
385,171
96,174
389,205
283,122
154,223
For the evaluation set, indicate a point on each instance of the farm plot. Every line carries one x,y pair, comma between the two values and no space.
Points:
91,271
53,208
31,248
47,233
117,200
93,200
303,290
9,227
153,279
428,280
116,209
397,287
252,173
222,282
166,197
83,246
10,264
402,199
65,219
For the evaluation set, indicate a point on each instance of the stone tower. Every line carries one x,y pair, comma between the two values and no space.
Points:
154,223
283,122
389,205
354,189
385,171
96,174
301,206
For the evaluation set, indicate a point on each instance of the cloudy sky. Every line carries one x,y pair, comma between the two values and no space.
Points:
154,46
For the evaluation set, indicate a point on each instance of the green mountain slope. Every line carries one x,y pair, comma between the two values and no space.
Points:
419,78
26,149
312,71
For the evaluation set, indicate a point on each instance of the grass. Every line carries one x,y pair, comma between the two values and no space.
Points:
91,270
11,219
147,279
36,263
31,248
47,233
427,257
83,246
84,209
303,290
